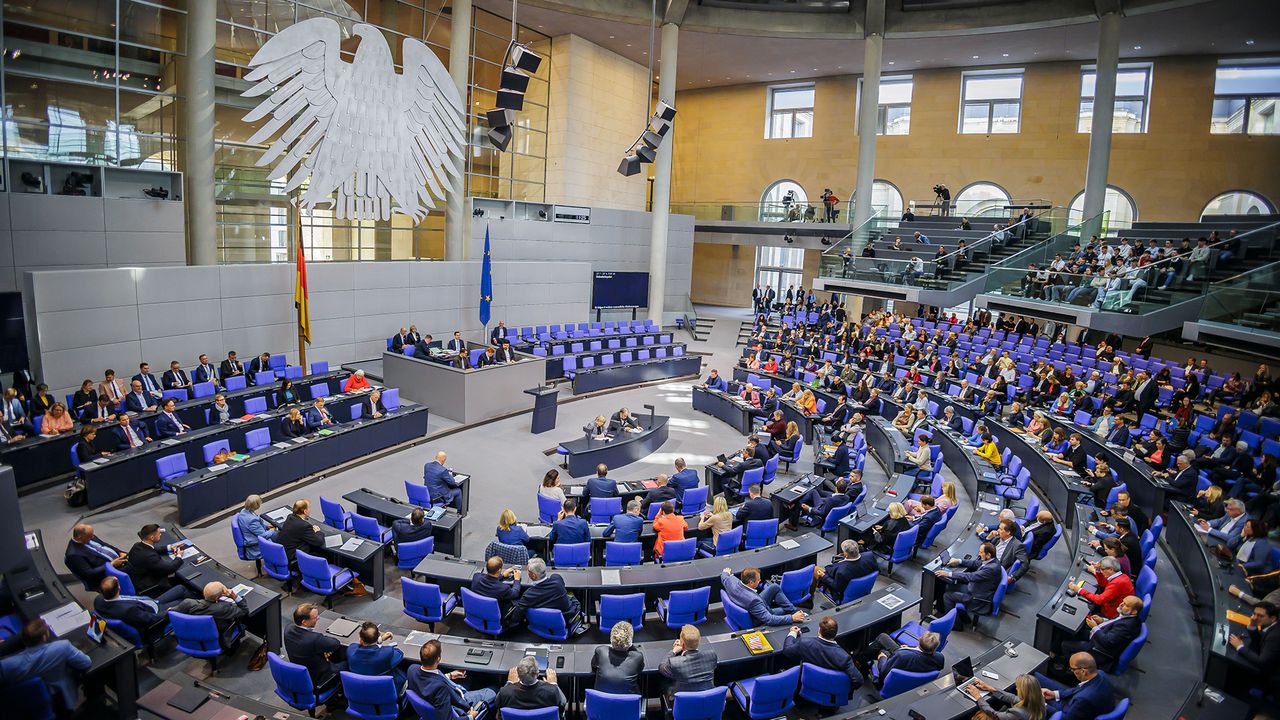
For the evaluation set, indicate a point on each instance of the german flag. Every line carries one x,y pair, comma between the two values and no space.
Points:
300,294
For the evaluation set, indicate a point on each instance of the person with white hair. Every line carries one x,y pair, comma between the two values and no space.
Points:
526,691
356,382
617,666
545,590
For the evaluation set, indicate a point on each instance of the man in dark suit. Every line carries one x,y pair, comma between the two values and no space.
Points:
752,456
505,353
931,516
1145,393
372,406
321,654
99,413
1090,698
260,364
755,507
493,583
849,564
167,422
487,358
663,493
318,416
686,478
441,483
1041,530
441,690
371,658
822,651
813,507
499,334
977,583
922,658
87,556
143,614
624,420
457,344
139,400
227,612
545,591
231,367
414,336
296,532
175,378
768,404
413,528
148,382
1074,457
205,371
399,340
599,486
1010,549
150,566
1259,648
570,529
1120,433
1109,638
1182,479
689,668
625,527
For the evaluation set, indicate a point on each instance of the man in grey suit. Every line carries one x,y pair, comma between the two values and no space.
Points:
1226,529
688,668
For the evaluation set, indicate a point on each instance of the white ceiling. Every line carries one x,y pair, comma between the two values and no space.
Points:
1222,27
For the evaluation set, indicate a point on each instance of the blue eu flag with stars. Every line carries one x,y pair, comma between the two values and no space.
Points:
486,282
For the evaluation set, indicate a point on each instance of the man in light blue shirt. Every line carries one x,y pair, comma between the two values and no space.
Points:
56,663
922,239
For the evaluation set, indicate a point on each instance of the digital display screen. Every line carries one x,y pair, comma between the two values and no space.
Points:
619,290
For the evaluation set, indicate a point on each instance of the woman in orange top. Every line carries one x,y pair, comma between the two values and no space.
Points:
56,421
355,382
668,526
808,403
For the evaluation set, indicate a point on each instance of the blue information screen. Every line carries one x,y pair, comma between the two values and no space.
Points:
619,290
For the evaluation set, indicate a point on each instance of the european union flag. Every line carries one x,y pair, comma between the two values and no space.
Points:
486,282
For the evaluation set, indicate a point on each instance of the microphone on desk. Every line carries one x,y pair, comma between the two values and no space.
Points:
650,408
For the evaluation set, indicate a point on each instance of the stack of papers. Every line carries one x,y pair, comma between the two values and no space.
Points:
241,590
611,576
218,468
352,545
332,541
417,638
65,619
789,544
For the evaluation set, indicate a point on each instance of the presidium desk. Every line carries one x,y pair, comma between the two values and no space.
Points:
466,396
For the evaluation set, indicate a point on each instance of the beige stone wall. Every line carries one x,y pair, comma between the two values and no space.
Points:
598,105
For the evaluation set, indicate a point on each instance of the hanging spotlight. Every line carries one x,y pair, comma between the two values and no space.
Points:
645,148
518,65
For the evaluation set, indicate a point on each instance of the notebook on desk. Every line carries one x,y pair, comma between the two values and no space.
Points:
342,627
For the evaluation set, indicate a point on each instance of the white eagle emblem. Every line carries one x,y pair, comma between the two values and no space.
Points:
372,141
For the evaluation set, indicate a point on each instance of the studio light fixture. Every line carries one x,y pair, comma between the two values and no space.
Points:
645,148
158,193
519,64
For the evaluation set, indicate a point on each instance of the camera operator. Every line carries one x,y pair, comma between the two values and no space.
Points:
829,202
944,197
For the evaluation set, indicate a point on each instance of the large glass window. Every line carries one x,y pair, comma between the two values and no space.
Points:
990,102
1238,202
981,198
885,197
1244,99
1118,204
894,114
779,268
1133,92
783,201
789,112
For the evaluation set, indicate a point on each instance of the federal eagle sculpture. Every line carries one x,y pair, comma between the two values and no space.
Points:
371,141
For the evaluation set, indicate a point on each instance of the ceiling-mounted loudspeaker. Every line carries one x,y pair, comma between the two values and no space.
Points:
500,137
514,79
510,100
660,127
645,153
630,165
525,59
500,118
664,112
650,139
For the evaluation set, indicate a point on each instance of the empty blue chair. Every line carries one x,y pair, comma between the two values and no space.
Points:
170,467
571,554
292,372
735,615
1146,582
417,493
796,583
367,527
679,550
125,631
609,706
795,453
828,689
618,553
235,382
701,705
322,577
257,439
832,521
751,477
694,499
767,696
275,562
320,390
546,713
356,411
391,399
860,587
481,613
903,547
371,697
603,508
910,633
213,448
770,470
728,542
548,508
899,681
334,515
255,405
409,554
547,623
425,603
265,377
616,608
294,686
204,389
197,636
685,607
179,395
760,533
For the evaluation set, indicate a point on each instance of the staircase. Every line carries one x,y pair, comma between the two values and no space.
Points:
977,266
1150,297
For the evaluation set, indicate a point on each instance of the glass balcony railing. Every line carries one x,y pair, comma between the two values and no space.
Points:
768,212
1250,300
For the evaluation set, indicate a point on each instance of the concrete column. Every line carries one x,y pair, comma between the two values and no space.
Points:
457,222
1104,105
662,178
868,110
197,123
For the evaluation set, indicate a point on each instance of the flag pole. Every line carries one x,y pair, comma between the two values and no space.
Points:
297,227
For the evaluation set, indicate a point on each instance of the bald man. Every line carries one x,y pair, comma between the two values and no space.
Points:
86,556
441,483
1092,696
1108,638
226,610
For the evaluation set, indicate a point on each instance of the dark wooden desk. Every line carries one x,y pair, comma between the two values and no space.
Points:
625,447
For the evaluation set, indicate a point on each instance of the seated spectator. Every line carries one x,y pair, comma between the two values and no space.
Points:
526,691
689,668
718,520
143,614
569,529
922,658
834,579
760,600
86,448
129,434
138,400
668,526
625,527
1091,697
1107,639
167,423
547,591
150,567
442,690
228,613
293,425
617,666
57,663
500,584
413,528
663,493
511,532
755,507
252,527
323,655
56,421
355,382
220,411
318,417
822,651
99,412
1113,587
369,657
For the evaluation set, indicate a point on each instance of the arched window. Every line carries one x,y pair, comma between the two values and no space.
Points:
981,199
884,197
1238,202
777,206
1122,211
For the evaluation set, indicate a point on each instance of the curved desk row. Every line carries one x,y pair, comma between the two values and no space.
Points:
555,363
1062,616
208,490
41,458
612,376
583,454
730,409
